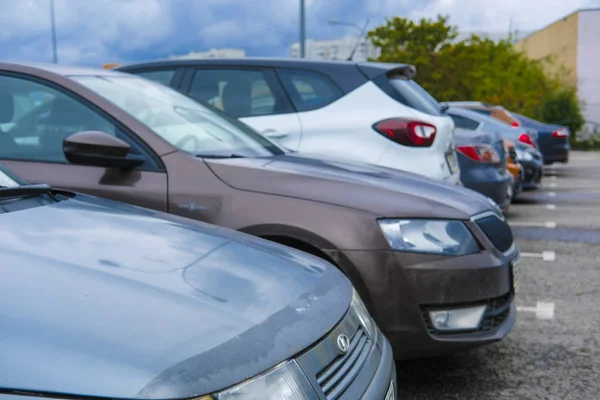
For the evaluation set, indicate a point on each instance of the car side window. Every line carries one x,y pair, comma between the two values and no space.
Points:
309,90
238,92
164,76
464,122
35,119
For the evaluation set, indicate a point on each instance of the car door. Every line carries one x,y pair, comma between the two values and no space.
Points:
36,116
252,95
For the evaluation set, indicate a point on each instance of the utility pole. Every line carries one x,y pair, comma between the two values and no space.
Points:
302,30
53,32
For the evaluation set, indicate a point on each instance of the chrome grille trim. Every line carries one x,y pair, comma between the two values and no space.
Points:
335,378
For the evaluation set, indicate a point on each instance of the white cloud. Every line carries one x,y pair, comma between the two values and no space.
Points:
97,31
495,15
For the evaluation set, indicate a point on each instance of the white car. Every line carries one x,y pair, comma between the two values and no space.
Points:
369,112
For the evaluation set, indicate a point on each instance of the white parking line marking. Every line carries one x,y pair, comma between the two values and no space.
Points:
553,177
551,194
550,185
547,224
541,310
551,206
544,255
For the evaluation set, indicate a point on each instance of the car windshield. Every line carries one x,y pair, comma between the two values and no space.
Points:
183,122
7,179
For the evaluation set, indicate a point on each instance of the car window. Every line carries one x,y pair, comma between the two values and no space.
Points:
238,92
35,119
180,120
464,122
483,111
309,90
411,94
164,76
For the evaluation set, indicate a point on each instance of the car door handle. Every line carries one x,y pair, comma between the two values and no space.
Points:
273,134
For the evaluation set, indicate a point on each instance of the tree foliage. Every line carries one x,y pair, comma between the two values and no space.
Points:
477,69
562,108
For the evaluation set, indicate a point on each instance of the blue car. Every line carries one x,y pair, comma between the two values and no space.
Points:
553,140
106,300
482,160
530,158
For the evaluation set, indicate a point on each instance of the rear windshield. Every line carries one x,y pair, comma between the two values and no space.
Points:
411,94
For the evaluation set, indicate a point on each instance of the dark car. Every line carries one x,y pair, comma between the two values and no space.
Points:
107,300
472,120
553,140
482,161
415,249
533,165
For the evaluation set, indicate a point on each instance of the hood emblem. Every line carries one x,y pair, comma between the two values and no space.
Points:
343,343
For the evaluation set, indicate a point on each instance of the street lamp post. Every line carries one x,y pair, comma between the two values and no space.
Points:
361,32
302,30
53,32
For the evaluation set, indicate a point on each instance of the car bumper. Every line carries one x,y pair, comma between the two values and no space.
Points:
400,287
556,154
385,374
433,165
489,182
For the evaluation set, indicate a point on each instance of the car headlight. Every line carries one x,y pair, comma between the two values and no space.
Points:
360,310
451,238
524,155
284,382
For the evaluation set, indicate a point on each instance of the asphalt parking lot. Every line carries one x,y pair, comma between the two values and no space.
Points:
553,351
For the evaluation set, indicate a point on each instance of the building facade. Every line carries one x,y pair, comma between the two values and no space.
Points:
573,42
213,53
338,49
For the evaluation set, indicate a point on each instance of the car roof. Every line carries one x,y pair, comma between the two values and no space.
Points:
481,118
370,69
62,70
259,61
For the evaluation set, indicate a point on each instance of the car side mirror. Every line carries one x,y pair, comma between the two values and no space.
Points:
96,148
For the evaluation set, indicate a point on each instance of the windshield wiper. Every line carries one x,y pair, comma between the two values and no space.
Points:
24,190
231,155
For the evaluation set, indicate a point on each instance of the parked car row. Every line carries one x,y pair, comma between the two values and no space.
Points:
356,242
354,110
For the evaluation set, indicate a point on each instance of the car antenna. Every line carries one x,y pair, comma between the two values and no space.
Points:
362,34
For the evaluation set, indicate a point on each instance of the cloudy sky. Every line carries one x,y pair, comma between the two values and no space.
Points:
92,32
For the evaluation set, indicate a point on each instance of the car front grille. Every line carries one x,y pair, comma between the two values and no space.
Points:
496,312
497,231
335,378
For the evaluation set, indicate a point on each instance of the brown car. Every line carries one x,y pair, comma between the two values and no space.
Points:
435,263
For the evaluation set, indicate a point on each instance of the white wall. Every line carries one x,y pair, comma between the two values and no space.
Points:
588,63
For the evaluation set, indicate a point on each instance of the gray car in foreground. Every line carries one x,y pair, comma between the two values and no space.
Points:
106,300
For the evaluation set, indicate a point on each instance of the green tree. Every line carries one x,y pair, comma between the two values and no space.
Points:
562,108
401,39
476,69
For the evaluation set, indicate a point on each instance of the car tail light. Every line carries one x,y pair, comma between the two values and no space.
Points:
407,132
561,133
515,123
525,138
480,152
